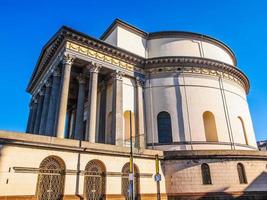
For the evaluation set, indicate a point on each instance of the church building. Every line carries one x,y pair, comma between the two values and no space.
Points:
175,95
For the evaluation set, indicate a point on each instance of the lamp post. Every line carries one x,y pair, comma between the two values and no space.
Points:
131,174
157,176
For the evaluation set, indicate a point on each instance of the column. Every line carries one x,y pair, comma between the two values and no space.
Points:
102,114
32,115
72,123
117,112
45,107
39,112
53,102
140,128
92,98
78,131
63,96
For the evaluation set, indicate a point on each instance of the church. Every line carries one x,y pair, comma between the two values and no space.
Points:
172,95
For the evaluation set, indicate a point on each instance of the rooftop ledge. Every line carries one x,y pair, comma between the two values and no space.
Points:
47,142
40,141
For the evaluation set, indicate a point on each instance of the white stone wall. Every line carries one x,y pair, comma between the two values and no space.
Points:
25,183
127,40
186,98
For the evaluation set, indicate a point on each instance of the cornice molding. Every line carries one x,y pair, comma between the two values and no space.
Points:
68,34
67,38
198,66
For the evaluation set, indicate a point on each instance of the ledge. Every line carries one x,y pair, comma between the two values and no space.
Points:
39,141
215,154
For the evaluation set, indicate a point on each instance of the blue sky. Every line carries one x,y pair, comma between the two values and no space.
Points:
27,25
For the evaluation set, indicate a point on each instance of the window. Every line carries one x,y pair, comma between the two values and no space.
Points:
243,129
241,173
164,127
210,127
205,170
94,180
51,179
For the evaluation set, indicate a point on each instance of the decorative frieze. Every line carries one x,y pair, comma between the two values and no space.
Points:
197,66
100,56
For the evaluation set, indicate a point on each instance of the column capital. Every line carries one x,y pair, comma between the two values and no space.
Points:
94,67
41,92
56,71
81,79
68,59
33,101
139,81
48,83
117,75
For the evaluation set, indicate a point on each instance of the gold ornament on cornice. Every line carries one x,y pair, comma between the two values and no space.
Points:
94,54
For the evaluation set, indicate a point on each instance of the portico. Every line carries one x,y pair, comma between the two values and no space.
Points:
83,99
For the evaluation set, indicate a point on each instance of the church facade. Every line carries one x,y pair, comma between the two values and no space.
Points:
179,94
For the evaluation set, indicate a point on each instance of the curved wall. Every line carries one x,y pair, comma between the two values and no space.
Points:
185,46
186,97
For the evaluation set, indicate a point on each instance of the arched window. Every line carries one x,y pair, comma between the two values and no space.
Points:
164,127
94,180
51,179
125,181
243,129
205,171
210,127
241,173
127,126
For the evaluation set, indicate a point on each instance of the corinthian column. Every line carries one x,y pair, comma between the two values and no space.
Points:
53,102
117,112
140,129
38,113
63,96
78,131
92,99
45,107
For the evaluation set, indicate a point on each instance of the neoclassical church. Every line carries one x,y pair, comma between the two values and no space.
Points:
181,97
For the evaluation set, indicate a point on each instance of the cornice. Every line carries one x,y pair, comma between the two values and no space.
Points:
68,34
197,65
215,154
58,42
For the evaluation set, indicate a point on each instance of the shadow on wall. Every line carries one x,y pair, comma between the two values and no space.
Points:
252,192
259,183
179,109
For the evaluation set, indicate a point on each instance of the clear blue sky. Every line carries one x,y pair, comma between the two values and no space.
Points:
27,25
